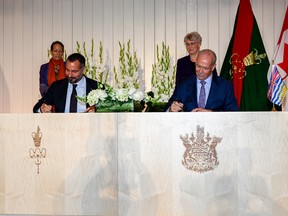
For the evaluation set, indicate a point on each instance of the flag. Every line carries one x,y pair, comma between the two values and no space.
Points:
276,88
278,73
246,63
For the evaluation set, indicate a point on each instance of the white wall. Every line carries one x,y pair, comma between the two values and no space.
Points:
28,27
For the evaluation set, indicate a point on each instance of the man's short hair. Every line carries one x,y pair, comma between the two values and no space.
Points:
77,56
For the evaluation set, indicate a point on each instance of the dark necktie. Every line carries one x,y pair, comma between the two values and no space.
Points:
73,100
202,96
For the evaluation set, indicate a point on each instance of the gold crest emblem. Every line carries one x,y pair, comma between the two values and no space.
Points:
200,155
37,153
238,65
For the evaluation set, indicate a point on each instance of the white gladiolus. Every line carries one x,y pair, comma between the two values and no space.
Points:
163,76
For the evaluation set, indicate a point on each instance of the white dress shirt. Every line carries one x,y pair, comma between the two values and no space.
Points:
207,87
81,92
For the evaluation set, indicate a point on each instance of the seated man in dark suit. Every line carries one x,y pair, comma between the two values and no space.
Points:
204,92
60,96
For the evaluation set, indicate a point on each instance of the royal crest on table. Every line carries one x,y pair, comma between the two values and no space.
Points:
37,153
200,154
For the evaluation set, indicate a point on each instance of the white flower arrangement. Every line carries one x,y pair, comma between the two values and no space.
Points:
120,96
95,96
163,76
127,74
95,68
126,84
108,99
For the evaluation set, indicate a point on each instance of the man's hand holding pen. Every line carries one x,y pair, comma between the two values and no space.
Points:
176,106
45,108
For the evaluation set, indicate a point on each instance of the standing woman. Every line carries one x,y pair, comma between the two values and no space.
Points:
54,69
186,65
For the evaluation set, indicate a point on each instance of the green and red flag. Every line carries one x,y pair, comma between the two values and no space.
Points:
246,63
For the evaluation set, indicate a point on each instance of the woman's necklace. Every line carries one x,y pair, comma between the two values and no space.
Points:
56,70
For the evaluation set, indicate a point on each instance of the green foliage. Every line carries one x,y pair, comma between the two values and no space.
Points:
95,68
127,74
163,75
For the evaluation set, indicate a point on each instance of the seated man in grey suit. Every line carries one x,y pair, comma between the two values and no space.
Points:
204,92
60,96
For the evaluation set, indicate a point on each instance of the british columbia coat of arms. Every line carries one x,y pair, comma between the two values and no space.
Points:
200,155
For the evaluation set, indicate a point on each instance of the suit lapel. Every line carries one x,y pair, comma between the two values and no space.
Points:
212,92
192,92
88,87
63,90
